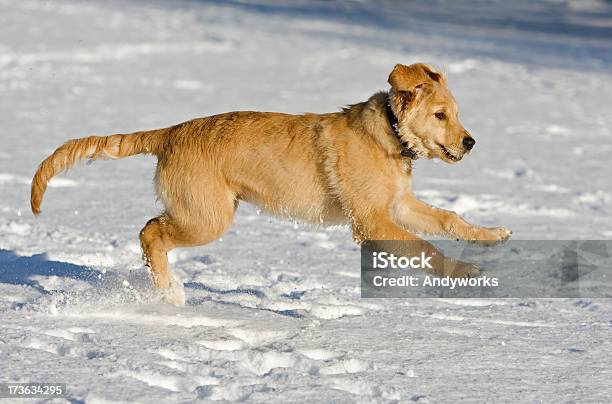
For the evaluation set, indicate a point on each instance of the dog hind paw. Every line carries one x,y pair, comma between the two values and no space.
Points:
175,294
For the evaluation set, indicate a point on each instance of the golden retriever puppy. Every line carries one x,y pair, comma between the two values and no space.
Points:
351,167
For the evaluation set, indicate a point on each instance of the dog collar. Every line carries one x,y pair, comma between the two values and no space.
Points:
393,122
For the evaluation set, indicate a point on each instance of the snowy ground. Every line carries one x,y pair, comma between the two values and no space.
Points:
273,311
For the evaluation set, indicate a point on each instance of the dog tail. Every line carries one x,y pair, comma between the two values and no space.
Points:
93,147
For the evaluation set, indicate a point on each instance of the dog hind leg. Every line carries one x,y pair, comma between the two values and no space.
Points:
156,239
206,217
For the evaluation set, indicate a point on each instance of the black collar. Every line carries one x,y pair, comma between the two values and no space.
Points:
406,150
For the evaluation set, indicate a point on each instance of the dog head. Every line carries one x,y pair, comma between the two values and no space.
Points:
428,119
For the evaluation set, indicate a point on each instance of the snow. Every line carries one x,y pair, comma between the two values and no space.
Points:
273,311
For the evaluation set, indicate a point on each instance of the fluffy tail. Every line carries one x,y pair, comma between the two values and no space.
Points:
93,147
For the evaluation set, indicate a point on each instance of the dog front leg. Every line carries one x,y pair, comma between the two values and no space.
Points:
420,217
380,226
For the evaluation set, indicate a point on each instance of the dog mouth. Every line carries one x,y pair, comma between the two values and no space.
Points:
448,155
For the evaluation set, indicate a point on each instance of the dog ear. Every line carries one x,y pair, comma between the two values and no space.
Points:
418,91
407,78
403,78
432,73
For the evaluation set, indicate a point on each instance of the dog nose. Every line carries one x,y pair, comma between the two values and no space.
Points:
469,142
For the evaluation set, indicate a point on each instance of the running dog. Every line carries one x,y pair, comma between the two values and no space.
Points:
352,166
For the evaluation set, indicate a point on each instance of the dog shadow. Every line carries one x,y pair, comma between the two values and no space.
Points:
19,270
22,271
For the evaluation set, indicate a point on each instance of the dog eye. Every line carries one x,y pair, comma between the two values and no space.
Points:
440,115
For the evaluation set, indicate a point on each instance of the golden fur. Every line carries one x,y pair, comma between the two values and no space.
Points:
342,167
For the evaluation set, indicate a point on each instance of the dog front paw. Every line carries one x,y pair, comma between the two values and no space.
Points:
492,235
460,269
